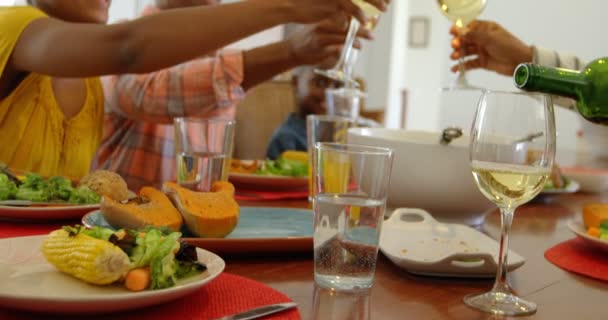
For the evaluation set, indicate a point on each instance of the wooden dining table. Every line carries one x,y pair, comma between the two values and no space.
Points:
397,294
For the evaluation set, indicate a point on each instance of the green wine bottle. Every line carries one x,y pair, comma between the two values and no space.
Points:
588,87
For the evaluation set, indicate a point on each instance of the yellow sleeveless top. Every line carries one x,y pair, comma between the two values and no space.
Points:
34,133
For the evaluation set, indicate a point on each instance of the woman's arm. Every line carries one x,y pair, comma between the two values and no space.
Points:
61,49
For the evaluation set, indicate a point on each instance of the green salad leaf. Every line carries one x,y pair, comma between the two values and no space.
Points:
8,189
284,167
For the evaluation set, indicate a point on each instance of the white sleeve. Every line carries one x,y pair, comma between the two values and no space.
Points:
551,58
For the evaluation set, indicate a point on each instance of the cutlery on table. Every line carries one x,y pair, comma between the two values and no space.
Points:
260,311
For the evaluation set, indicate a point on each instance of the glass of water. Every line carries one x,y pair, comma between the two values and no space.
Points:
351,183
344,102
203,148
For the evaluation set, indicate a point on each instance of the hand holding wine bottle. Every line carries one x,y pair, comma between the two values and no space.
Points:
589,87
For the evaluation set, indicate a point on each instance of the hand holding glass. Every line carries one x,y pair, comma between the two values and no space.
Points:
461,13
510,172
343,68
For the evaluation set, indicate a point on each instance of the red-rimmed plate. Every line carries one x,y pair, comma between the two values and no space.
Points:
260,230
252,181
46,213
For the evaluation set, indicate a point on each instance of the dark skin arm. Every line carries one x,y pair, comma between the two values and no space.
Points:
307,46
147,44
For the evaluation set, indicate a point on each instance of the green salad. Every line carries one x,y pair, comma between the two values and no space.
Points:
37,189
284,167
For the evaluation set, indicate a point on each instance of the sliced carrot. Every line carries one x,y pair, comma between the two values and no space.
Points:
594,232
138,279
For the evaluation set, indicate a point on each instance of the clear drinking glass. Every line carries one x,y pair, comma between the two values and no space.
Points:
203,148
351,187
342,71
512,151
324,128
344,102
461,13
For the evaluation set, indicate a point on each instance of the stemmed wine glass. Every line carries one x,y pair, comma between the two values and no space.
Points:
510,171
342,71
461,13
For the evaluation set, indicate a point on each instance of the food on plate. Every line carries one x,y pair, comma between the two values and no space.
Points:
106,183
206,214
594,214
244,166
556,179
289,164
54,189
295,155
149,258
151,207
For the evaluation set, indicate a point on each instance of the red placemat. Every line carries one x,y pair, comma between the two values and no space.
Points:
21,229
225,295
576,256
253,195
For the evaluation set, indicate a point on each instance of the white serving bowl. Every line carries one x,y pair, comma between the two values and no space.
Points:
428,175
597,138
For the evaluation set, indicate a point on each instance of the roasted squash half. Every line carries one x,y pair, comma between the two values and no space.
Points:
206,214
152,207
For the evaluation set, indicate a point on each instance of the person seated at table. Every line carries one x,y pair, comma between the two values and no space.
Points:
51,103
310,99
492,47
140,107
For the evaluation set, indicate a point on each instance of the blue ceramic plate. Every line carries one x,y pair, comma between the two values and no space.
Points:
259,230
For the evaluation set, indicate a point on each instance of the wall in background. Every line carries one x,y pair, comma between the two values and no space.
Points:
571,26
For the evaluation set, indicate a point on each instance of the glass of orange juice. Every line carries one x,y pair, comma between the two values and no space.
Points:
324,128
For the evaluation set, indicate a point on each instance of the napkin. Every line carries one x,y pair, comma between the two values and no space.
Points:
576,256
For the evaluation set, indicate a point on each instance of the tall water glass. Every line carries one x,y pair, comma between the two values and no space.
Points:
512,151
324,128
344,102
203,148
349,203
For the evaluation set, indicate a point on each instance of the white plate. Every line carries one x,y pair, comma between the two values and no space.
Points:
590,179
571,187
413,240
265,182
579,229
46,213
30,283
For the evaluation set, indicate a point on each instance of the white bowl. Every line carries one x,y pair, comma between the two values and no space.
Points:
428,175
597,138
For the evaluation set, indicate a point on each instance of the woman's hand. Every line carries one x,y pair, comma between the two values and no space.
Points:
314,44
310,11
494,48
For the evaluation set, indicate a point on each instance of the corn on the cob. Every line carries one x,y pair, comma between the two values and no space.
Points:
86,258
295,155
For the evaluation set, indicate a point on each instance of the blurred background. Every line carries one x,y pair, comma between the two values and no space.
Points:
408,62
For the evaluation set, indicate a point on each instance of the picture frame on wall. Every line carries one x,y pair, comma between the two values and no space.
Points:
419,30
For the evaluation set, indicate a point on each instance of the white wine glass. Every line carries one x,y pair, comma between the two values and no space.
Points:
461,13
342,71
512,150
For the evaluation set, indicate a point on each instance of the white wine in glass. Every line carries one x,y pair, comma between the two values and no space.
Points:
342,70
510,171
461,13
